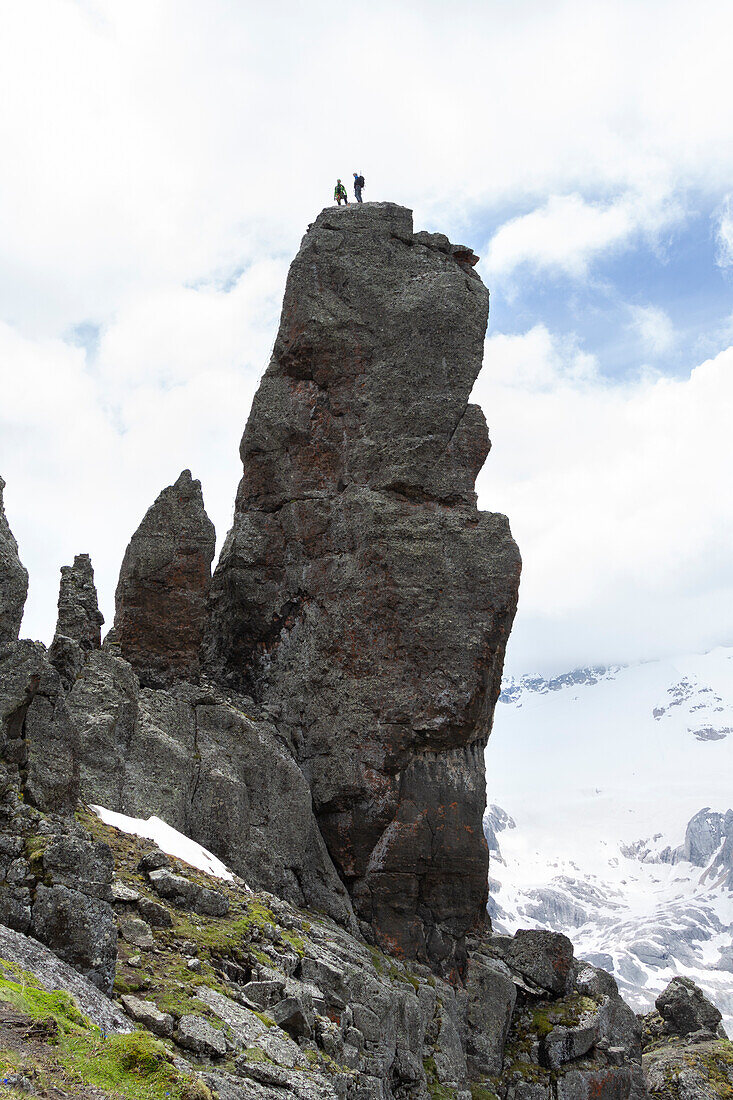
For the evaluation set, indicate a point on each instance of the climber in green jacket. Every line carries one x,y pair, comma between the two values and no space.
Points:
339,193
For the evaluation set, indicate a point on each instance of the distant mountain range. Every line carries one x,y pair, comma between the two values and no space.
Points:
615,823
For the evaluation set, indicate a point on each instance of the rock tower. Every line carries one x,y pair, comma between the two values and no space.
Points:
361,597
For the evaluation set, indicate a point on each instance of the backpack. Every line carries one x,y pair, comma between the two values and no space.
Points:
360,181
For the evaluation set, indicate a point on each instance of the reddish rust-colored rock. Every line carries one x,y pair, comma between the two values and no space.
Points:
360,594
160,602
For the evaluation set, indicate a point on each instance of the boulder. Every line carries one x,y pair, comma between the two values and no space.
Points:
13,580
544,958
361,598
160,601
181,891
137,932
196,1033
149,1015
124,895
80,930
684,1008
155,914
487,1003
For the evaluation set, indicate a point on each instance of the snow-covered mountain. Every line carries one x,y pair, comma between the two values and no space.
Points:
615,787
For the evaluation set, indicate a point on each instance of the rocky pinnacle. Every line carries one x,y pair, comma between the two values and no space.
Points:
13,580
79,617
361,596
160,601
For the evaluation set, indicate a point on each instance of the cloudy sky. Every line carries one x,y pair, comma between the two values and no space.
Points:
161,160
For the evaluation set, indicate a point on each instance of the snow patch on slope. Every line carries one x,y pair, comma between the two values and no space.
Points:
168,839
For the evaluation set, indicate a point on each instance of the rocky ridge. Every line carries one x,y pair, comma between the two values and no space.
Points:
250,998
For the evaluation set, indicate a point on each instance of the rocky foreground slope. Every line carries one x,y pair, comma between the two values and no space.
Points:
315,715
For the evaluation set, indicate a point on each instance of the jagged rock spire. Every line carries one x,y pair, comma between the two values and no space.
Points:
13,580
79,617
160,601
360,594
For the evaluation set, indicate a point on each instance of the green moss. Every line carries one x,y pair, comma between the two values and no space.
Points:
135,1066
264,1018
230,936
400,974
567,1012
712,1061
436,1091
296,942
256,1054
481,1092
27,996
35,846
378,959
260,956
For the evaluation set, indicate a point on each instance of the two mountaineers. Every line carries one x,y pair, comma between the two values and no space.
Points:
358,184
339,193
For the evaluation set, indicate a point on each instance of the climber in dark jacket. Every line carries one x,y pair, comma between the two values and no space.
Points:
358,184
339,193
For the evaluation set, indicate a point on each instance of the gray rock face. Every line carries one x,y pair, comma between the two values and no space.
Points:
160,602
81,930
79,616
198,761
13,580
360,594
39,745
183,892
487,1004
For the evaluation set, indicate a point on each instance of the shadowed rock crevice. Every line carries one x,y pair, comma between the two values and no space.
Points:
360,596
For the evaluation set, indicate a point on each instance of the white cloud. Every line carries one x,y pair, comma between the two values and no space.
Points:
87,445
151,144
618,498
724,238
654,328
155,151
568,232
